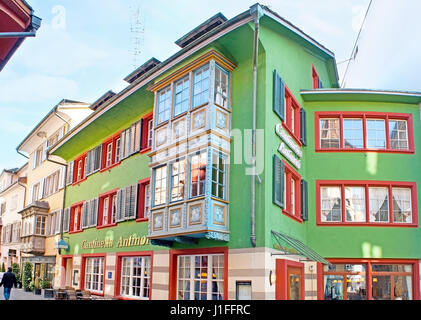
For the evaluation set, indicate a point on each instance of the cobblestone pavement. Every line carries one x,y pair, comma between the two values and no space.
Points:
19,294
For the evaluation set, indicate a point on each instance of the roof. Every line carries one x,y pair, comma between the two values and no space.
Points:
53,110
140,77
102,99
201,29
148,65
292,246
347,94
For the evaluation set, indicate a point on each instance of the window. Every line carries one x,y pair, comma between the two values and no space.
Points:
198,173
37,157
147,132
366,203
135,276
218,175
3,208
111,152
368,280
79,169
94,274
36,192
201,86
40,223
200,277
292,192
316,82
160,191
107,209
144,201
221,87
181,95
178,179
51,184
292,114
76,217
164,105
14,202
365,131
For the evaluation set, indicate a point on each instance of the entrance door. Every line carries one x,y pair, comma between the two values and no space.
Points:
289,280
66,272
294,283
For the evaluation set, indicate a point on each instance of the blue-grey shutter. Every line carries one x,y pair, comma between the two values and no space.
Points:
66,220
84,217
97,158
320,84
69,178
304,200
278,181
303,127
131,201
127,203
88,163
93,212
278,96
120,204
138,135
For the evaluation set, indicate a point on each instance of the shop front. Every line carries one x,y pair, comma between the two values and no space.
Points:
367,279
43,267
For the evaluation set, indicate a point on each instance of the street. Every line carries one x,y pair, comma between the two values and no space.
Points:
19,294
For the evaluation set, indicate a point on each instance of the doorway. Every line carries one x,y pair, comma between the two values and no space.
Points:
289,280
66,271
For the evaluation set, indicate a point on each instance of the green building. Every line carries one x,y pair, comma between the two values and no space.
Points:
230,171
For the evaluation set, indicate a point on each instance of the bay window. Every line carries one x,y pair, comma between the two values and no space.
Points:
198,163
163,105
135,277
40,225
160,185
178,179
201,86
364,131
94,274
366,203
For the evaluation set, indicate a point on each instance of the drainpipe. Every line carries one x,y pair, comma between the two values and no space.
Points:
257,12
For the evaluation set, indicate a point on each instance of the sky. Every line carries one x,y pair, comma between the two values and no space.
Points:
85,48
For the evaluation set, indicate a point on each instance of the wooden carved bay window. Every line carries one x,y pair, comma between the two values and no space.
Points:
366,203
365,131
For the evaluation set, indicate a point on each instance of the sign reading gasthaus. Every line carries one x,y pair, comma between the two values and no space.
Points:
289,153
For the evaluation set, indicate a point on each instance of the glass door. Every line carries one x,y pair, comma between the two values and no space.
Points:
294,283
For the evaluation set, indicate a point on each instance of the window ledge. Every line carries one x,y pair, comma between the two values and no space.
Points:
110,167
142,219
366,224
410,151
289,215
145,150
106,226
77,231
130,298
79,181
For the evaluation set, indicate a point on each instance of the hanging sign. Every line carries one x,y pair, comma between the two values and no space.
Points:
294,149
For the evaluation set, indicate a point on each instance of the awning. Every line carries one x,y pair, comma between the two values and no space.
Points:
293,246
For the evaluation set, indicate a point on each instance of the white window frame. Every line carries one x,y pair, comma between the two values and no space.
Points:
145,268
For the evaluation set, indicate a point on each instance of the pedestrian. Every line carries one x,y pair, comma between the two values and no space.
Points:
8,281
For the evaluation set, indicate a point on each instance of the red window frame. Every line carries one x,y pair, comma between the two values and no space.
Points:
367,184
364,116
292,106
287,210
281,284
113,140
172,291
119,257
369,274
141,200
76,209
81,158
108,195
314,77
145,132
83,266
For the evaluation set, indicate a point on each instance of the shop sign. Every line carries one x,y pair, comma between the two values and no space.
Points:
122,242
290,154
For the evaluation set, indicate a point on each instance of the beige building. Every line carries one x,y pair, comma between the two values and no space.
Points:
12,197
41,216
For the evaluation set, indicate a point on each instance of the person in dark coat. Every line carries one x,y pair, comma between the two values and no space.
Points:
8,281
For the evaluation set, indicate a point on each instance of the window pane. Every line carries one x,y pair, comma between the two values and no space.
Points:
164,104
329,133
198,174
376,134
201,86
398,134
334,287
353,133
160,185
379,204
177,180
331,204
355,204
221,87
381,287
181,95
402,208
402,287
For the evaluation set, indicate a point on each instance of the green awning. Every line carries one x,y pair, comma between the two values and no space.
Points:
293,246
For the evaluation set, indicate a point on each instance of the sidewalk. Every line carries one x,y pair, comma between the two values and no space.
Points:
19,294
